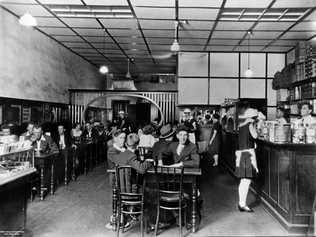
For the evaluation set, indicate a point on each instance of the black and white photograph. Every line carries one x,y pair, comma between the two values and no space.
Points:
135,118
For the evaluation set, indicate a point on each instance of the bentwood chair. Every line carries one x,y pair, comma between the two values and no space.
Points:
170,193
144,152
130,196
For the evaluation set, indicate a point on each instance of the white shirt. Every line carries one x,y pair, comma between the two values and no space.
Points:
38,143
180,149
121,149
147,140
308,120
62,144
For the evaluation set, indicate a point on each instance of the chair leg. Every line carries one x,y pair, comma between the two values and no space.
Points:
180,222
157,220
142,222
118,221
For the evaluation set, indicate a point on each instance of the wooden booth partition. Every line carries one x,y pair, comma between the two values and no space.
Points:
165,101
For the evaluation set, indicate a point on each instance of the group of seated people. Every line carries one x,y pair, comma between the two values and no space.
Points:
172,148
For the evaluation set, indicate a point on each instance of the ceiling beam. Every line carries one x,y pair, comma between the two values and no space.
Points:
75,32
254,24
215,24
141,31
306,14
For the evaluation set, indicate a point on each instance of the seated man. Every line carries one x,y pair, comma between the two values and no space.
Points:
29,131
43,143
183,152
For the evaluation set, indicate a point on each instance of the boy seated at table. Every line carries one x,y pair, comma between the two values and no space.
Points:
119,155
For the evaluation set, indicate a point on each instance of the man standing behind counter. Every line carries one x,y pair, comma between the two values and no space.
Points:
307,119
182,152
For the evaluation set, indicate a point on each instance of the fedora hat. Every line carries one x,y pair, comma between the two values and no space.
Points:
166,131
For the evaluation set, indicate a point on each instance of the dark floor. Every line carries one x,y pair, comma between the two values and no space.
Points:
83,208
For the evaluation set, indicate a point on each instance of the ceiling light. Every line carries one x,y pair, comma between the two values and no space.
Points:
27,20
248,73
103,69
175,47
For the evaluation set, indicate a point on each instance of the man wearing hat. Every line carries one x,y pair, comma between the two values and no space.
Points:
183,152
165,139
124,123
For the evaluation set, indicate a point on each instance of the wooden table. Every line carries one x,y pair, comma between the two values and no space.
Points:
41,160
190,176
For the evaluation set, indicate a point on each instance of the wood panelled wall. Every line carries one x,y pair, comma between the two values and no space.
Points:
166,100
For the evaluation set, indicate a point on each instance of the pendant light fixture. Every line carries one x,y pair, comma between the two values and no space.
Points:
104,69
28,20
248,72
175,47
128,74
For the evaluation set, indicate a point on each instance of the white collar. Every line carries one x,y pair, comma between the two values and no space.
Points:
119,148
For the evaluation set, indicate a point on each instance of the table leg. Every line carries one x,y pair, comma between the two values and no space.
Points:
74,156
66,169
52,179
194,202
114,204
42,184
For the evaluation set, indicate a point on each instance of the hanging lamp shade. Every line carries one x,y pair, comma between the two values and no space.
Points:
27,20
175,47
248,72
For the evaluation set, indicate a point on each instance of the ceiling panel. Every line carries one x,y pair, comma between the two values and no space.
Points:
228,35
194,34
200,3
312,16
298,35
157,13
119,23
273,25
85,50
247,3
77,44
72,38
129,40
106,46
192,47
265,35
124,32
49,21
99,39
200,14
107,2
130,46
207,25
223,42
63,2
167,3
57,31
18,1
34,10
157,24
158,33
294,3
81,22
222,25
245,48
311,26
255,42
90,32
219,48
277,49
191,41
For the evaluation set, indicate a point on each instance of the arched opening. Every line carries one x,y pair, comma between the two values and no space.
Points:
102,106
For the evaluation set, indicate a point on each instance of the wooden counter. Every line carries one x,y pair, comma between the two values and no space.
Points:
13,203
287,179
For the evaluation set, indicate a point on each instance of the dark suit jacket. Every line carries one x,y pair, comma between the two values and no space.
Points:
188,156
67,138
115,157
94,134
159,148
47,144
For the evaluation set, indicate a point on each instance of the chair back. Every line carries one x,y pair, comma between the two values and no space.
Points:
127,182
145,152
169,181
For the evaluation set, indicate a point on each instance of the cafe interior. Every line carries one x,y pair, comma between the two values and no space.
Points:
146,118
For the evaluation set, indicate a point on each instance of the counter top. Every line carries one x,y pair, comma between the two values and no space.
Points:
289,145
4,179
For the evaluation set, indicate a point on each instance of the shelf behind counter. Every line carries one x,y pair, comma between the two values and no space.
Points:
286,181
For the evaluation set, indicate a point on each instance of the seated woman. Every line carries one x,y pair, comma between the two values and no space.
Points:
146,139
